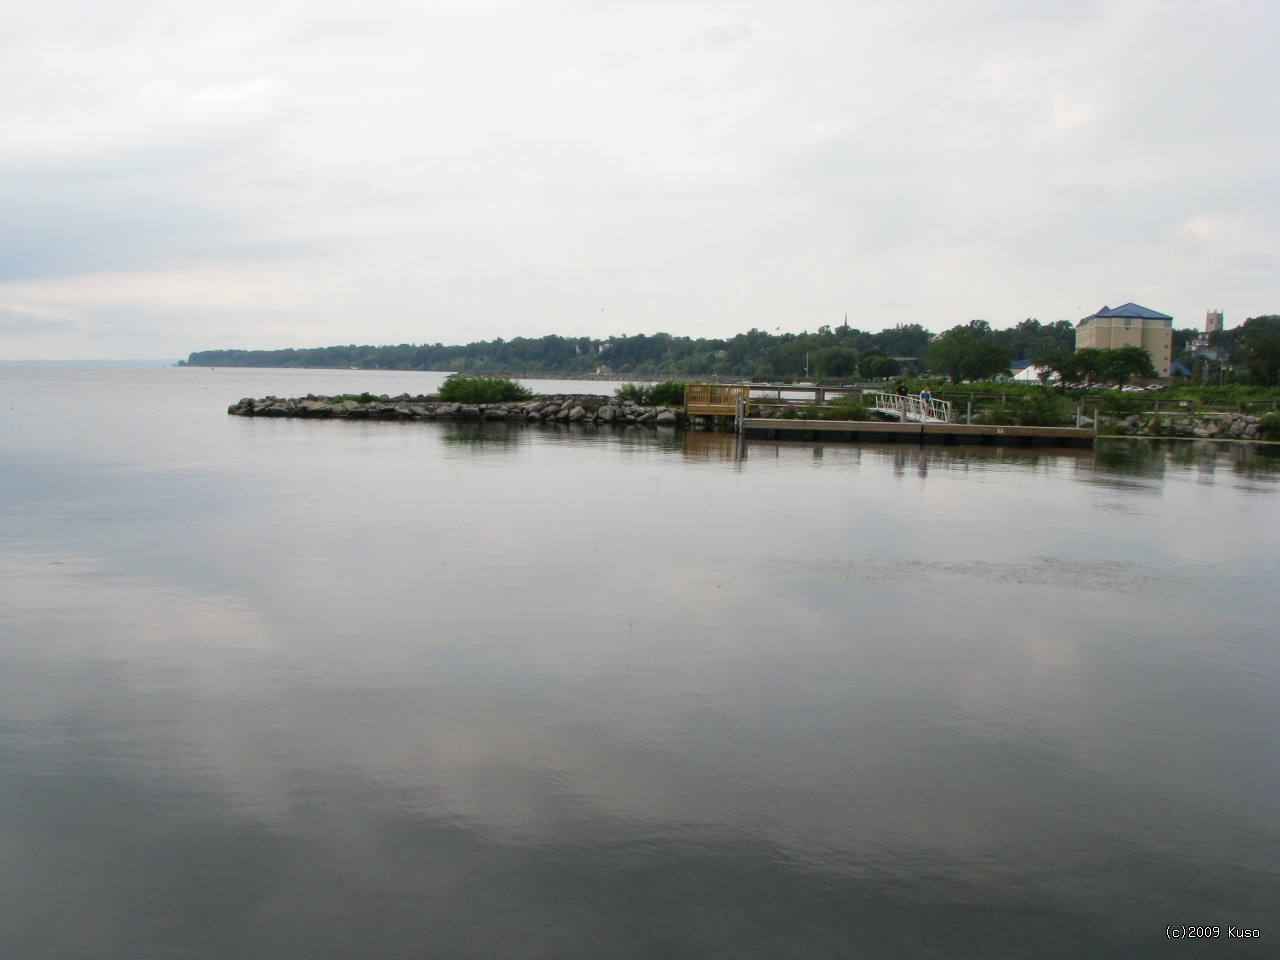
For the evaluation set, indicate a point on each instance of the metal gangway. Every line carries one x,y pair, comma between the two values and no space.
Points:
910,408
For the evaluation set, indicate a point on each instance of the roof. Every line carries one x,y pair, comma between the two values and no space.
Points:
1131,310
1030,374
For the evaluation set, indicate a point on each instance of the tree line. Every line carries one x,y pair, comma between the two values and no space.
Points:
972,351
1249,353
837,352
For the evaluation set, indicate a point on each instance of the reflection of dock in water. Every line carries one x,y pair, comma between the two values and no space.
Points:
714,446
868,431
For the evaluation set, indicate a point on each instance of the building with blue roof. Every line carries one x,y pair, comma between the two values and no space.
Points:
1129,325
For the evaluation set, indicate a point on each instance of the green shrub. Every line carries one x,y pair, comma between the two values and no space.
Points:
994,415
668,393
849,408
365,397
1113,404
460,389
1269,426
635,392
1039,409
840,410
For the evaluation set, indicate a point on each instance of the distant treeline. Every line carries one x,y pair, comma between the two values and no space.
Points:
831,352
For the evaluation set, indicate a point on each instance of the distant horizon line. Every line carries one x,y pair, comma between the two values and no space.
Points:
130,361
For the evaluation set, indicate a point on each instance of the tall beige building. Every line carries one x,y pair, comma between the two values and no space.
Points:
1129,326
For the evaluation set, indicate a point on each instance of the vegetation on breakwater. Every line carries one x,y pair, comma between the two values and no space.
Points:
667,393
460,389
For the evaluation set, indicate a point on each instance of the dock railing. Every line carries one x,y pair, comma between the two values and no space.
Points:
717,399
910,408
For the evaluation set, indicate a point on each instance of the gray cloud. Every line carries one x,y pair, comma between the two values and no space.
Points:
492,169
20,321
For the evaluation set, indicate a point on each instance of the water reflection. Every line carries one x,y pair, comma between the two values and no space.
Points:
713,446
356,689
484,433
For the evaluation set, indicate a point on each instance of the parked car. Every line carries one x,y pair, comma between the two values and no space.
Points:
1155,386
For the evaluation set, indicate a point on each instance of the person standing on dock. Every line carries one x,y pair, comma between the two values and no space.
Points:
925,397
902,388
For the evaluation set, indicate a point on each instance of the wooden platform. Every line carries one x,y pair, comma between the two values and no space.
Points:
716,399
869,431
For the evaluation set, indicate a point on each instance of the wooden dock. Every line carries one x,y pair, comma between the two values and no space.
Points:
871,431
716,399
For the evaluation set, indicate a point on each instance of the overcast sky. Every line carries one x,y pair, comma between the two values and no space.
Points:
178,176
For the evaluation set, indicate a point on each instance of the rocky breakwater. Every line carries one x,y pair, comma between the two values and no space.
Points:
573,408
1207,426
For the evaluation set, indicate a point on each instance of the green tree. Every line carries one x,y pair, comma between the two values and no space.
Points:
1260,349
1122,363
1090,365
903,340
1059,364
963,353
874,365
834,362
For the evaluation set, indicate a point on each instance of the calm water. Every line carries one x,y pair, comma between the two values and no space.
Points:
300,689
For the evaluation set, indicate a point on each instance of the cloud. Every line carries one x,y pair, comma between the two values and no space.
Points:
459,170
1241,238
27,321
